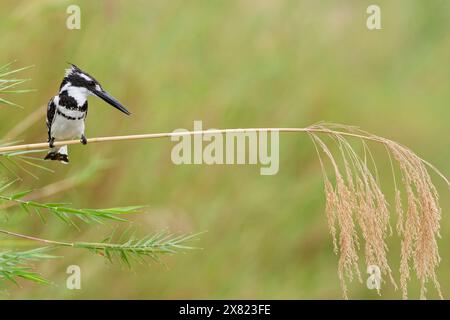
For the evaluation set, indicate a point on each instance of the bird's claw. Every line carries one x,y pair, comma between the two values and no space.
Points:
51,142
83,140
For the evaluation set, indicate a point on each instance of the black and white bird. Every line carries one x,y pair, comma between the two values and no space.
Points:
66,112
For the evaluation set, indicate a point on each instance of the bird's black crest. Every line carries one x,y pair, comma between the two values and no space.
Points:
73,75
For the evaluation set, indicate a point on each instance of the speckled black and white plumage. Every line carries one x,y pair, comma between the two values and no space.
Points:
67,112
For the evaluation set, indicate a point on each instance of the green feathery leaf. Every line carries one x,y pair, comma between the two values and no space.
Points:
7,85
151,246
65,212
15,264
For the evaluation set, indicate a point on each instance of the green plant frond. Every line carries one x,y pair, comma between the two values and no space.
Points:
65,212
122,210
7,72
9,103
21,161
8,85
5,66
11,83
22,153
16,264
6,185
35,165
137,249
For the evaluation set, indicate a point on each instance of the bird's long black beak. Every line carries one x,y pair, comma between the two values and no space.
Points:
111,100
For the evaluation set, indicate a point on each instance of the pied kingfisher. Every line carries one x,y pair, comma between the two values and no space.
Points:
67,111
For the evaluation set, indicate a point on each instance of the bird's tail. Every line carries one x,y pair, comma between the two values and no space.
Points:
59,154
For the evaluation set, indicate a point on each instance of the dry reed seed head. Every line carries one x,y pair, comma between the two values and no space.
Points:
330,208
360,197
342,212
422,222
399,210
364,205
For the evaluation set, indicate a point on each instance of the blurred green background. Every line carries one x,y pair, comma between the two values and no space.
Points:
244,63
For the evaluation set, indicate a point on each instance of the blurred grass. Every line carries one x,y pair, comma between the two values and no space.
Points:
230,64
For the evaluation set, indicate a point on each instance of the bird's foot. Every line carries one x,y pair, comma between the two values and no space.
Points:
51,142
83,139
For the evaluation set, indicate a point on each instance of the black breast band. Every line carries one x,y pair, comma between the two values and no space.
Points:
68,117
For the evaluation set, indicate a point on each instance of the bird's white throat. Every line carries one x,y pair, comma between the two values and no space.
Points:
80,94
